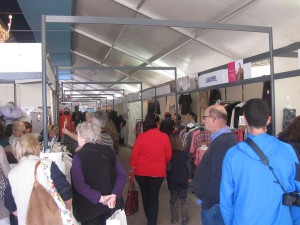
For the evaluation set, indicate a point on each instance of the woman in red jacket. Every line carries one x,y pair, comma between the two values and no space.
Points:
150,155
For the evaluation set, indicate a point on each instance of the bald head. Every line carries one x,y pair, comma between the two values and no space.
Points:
215,118
218,111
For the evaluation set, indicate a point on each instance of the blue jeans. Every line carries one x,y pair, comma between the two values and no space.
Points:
212,216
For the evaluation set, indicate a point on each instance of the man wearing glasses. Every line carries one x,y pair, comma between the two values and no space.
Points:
207,177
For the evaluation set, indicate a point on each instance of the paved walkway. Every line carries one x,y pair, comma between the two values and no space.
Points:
164,215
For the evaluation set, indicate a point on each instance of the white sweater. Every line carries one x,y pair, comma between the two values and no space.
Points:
21,179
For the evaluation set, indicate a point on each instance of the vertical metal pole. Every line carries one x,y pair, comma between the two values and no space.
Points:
15,94
155,103
272,80
57,96
106,103
44,87
62,92
142,100
243,93
113,102
176,102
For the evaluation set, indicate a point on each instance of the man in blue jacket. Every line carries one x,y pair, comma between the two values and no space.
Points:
250,193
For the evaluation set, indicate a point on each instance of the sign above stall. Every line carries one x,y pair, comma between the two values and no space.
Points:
150,93
134,97
213,78
164,90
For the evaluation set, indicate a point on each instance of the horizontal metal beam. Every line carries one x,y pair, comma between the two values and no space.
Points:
101,82
108,89
90,94
115,68
80,101
92,98
153,22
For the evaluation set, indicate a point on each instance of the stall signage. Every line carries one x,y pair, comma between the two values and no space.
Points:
213,78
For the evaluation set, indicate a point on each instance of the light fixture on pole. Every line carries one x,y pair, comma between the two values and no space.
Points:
4,34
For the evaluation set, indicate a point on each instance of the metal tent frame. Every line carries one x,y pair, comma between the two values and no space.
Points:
149,22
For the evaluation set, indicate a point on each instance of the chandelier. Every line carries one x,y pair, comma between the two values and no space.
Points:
4,34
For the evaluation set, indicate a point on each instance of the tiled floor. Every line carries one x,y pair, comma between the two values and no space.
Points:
164,216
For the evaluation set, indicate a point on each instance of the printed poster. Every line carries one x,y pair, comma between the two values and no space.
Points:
239,70
231,72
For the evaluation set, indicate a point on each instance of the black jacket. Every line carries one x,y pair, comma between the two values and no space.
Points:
98,166
207,178
178,175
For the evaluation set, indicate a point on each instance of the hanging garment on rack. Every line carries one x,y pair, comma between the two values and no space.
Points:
11,112
64,119
229,108
203,99
138,129
199,154
193,81
153,106
240,134
183,83
288,116
171,102
214,96
236,113
185,100
36,122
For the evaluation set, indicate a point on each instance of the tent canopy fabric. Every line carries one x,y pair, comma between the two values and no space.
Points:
189,50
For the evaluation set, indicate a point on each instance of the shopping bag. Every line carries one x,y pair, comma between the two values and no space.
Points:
132,201
117,218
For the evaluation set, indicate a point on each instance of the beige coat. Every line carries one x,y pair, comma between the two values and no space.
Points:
21,179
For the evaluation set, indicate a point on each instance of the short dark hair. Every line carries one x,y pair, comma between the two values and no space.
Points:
27,125
150,122
178,117
218,114
193,115
256,112
167,114
292,132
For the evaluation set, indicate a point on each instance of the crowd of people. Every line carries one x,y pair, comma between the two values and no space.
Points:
91,196
255,181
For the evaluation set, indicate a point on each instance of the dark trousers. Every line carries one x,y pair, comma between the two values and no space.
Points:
180,194
99,220
150,187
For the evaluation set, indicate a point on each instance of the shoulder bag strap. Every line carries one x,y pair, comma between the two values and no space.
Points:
35,169
263,158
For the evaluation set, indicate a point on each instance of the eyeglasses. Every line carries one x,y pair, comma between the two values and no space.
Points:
203,117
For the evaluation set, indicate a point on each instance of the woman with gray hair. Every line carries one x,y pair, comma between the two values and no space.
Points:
95,193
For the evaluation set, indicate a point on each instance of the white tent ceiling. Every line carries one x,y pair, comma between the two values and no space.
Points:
190,50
